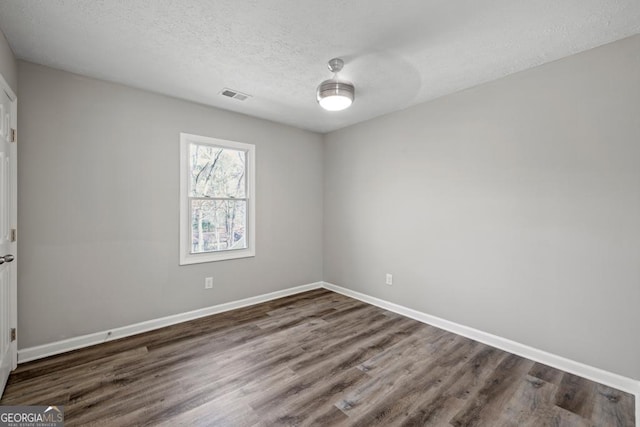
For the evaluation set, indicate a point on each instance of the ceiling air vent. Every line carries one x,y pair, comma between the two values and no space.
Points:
230,93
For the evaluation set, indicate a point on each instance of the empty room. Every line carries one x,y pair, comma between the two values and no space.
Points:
320,213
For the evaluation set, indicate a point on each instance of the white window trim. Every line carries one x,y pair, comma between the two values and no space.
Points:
186,257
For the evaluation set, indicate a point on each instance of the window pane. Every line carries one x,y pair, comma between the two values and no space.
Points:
217,171
218,225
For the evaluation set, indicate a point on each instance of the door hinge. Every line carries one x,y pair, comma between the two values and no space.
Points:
13,334
13,135
14,233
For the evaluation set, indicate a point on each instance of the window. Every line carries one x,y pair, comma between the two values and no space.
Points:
217,199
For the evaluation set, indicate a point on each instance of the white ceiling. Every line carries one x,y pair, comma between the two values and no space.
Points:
398,53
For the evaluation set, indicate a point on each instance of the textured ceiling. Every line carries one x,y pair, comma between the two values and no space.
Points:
398,53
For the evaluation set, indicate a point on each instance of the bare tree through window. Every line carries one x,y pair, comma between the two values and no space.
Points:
218,198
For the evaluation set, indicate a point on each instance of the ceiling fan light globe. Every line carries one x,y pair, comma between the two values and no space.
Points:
335,103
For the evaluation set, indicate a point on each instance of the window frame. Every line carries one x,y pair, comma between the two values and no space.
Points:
186,256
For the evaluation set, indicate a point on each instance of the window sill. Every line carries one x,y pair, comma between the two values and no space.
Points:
186,259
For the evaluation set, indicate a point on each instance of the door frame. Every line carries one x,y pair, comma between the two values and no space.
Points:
13,288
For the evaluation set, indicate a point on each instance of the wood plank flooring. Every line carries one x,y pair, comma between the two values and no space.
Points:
316,358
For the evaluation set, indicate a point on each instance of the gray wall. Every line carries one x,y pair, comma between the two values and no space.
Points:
512,207
98,207
8,65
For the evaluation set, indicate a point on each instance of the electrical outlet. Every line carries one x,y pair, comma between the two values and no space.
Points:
208,282
389,279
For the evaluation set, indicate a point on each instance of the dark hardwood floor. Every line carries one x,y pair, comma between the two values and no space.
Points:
317,358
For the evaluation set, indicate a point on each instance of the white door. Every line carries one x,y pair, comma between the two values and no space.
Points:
8,218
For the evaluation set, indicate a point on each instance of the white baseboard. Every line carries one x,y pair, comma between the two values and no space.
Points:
45,350
595,374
